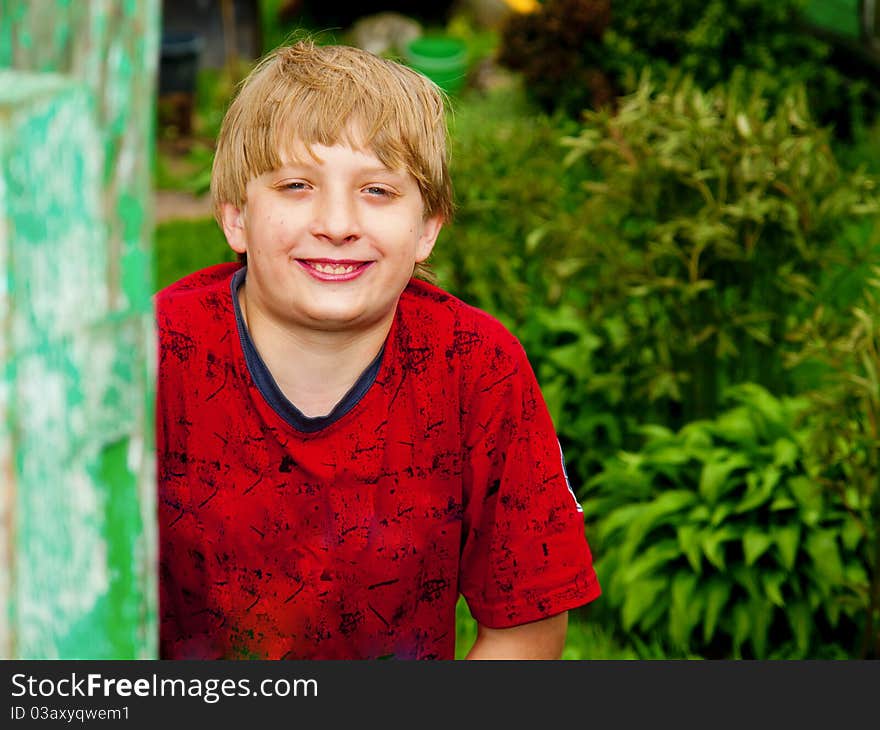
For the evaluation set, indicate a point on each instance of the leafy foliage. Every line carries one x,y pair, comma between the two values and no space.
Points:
559,51
577,54
712,40
846,439
721,539
515,249
713,221
670,257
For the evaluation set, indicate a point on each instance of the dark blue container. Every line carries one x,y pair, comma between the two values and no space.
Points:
179,62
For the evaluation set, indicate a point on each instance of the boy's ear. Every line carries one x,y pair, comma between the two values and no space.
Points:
430,230
233,227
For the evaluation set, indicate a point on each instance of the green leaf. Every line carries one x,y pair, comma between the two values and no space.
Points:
593,424
758,494
712,542
623,477
666,454
555,394
736,426
654,432
782,502
800,619
652,558
761,617
607,567
640,598
748,579
772,583
851,534
533,239
717,592
618,519
821,546
720,514
808,496
653,514
689,542
857,577
715,478
787,539
596,508
696,436
785,453
617,330
760,400
685,608
755,543
571,359
652,616
832,611
742,627
565,320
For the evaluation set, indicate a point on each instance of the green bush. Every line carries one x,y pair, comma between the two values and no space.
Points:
559,51
515,250
719,539
510,188
846,440
672,255
577,54
712,39
714,219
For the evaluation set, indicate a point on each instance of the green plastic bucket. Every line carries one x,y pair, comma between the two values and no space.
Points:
441,58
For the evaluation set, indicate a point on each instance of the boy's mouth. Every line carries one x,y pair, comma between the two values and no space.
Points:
332,270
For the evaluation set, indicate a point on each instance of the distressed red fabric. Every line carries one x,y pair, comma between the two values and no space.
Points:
355,541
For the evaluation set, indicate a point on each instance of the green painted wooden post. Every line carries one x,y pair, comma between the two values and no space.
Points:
77,526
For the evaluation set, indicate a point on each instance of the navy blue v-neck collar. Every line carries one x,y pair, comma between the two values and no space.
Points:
272,393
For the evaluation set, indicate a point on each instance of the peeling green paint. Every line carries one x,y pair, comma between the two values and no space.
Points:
77,505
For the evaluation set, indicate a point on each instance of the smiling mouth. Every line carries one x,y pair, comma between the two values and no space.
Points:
327,270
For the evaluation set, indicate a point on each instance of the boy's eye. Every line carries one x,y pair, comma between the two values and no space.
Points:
295,186
378,191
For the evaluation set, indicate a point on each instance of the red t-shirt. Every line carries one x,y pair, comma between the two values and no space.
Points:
354,539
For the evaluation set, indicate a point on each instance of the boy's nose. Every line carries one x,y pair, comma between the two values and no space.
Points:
336,219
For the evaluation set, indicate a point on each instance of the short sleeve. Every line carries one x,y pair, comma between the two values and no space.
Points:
525,555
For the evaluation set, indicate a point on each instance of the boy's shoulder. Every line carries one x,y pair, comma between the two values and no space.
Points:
206,289
440,311
199,282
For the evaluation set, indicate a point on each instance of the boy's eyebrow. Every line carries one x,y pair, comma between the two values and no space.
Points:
371,170
377,169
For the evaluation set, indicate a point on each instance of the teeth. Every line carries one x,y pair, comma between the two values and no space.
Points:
334,268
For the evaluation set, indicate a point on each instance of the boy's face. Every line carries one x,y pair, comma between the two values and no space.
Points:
331,243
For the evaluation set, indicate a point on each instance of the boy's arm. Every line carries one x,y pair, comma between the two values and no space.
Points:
524,559
542,639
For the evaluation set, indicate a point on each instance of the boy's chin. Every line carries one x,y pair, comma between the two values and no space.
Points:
347,320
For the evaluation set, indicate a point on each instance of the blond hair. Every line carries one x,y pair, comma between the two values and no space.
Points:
308,94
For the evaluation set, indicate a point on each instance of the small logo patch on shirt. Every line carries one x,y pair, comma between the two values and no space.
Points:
567,481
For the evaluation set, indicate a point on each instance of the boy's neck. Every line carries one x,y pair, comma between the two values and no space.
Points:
314,369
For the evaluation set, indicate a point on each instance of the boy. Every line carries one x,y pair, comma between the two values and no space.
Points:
343,449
